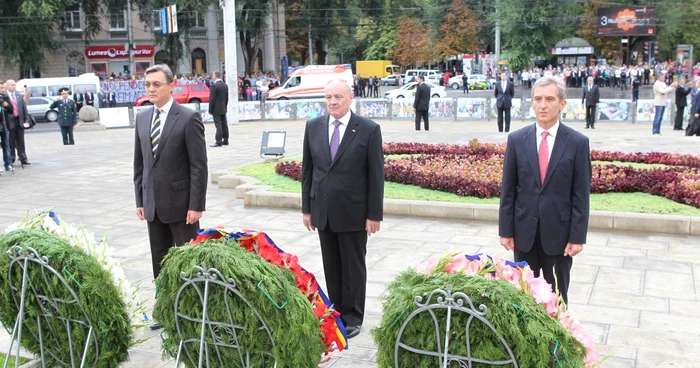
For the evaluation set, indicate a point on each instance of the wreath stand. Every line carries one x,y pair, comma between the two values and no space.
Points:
451,302
221,334
44,309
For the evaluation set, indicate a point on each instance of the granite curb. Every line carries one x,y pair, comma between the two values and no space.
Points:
257,195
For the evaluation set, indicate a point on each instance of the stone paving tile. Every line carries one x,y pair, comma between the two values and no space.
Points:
632,290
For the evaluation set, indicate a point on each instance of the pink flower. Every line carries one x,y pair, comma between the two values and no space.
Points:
458,264
428,266
542,292
511,274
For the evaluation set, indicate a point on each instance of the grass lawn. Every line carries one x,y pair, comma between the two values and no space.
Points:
617,202
11,363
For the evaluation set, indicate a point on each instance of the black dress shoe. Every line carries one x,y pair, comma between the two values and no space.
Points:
26,163
214,145
225,143
353,331
156,325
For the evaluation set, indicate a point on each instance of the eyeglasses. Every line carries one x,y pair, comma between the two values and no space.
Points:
154,84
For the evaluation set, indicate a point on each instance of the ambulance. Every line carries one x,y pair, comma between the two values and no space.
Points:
309,82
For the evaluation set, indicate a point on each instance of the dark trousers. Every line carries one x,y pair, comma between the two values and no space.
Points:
5,144
590,116
346,272
67,134
376,90
221,129
635,94
501,112
17,144
678,125
422,114
548,266
163,236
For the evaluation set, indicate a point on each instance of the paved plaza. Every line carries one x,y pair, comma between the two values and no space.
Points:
638,294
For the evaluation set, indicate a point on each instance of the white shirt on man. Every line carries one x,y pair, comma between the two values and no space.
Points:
163,113
344,121
550,138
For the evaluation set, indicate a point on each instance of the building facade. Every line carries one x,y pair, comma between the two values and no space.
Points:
108,54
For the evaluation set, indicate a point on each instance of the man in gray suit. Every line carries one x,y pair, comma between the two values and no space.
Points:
170,168
18,122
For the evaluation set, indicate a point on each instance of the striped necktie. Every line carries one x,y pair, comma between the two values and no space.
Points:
155,133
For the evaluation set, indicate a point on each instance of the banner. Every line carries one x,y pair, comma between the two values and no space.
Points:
115,117
627,21
378,108
127,91
441,108
471,108
168,19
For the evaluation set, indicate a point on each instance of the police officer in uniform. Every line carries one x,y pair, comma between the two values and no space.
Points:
67,115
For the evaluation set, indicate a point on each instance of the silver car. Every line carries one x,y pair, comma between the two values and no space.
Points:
38,108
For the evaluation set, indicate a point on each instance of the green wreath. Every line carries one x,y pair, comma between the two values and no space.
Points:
536,339
98,297
287,313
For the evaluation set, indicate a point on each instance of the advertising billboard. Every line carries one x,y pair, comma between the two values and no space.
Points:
627,21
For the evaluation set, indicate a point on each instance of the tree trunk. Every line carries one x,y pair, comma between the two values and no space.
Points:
320,52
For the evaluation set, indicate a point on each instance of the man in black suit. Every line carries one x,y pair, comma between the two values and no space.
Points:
342,194
112,98
591,97
693,127
6,111
79,99
504,93
544,209
421,103
90,98
681,102
170,168
218,101
19,121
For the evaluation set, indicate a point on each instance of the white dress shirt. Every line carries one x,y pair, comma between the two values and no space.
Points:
163,114
344,121
504,85
550,138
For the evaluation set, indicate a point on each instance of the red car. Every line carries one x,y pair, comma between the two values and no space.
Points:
188,93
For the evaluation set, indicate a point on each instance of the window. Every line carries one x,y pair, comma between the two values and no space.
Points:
197,20
71,19
37,101
53,90
178,90
117,21
156,21
76,64
198,88
37,91
141,66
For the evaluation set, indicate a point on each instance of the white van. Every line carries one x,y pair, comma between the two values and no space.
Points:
48,87
309,82
423,72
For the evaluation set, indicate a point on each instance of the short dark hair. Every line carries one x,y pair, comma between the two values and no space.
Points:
421,78
217,74
161,68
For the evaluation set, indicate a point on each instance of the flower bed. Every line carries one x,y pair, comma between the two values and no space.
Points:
533,320
475,170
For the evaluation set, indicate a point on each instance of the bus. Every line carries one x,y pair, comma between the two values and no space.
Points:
48,87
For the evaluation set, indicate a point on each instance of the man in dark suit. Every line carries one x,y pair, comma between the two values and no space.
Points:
19,121
504,93
693,127
342,194
218,100
544,209
170,168
79,99
6,111
591,97
112,98
421,103
90,98
682,92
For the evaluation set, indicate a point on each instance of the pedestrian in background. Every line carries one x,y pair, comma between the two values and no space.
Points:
661,92
421,103
67,115
682,92
591,97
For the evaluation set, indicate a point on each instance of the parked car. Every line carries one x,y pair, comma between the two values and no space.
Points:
189,93
38,108
476,81
392,80
409,90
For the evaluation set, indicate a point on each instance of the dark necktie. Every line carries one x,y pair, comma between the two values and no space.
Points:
335,139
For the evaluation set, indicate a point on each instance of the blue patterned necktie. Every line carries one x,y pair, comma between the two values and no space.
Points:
155,133
335,139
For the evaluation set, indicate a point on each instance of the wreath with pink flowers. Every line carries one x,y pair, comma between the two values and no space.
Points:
533,320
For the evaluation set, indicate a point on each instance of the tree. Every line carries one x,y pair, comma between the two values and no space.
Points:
677,25
530,28
380,39
458,32
412,42
588,30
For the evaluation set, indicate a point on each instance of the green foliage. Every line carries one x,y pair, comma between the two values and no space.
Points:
99,301
381,39
527,328
532,28
288,326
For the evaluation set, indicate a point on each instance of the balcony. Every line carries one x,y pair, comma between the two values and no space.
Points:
73,34
198,33
117,34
